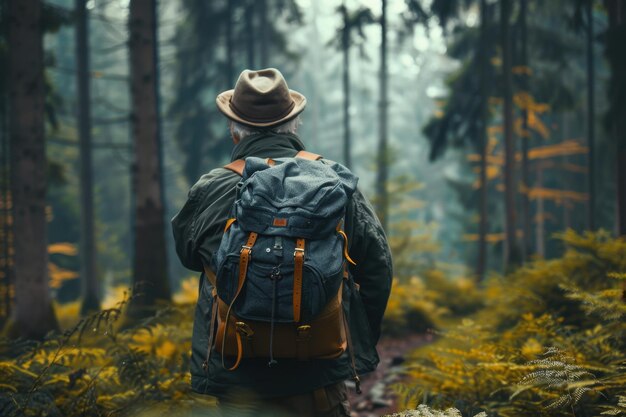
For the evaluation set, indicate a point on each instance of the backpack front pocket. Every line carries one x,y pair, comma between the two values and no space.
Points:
270,287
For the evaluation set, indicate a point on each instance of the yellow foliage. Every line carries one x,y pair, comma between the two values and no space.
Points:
188,293
166,350
63,248
114,296
527,102
522,70
67,314
565,148
548,342
59,275
556,195
93,369
411,308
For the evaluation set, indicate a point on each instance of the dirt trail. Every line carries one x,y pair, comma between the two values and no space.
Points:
376,398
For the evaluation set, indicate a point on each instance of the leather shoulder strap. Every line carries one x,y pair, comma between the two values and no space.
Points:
238,165
308,155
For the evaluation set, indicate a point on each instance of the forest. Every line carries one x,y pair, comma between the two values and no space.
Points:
490,136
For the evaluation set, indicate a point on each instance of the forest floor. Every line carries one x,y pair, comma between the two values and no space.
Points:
377,397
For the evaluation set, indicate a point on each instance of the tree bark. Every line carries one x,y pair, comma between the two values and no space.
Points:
591,184
381,181
263,28
6,261
90,302
150,262
33,314
616,39
540,240
526,216
481,263
510,246
230,59
250,32
346,88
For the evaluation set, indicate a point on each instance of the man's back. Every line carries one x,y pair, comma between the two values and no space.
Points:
198,229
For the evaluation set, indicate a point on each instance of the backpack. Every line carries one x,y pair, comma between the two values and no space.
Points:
279,272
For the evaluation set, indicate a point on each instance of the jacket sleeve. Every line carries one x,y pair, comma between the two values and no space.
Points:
183,228
370,250
198,226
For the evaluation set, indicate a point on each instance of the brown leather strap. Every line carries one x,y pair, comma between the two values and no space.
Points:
244,260
345,247
239,352
229,223
242,329
236,166
298,256
210,275
308,155
247,334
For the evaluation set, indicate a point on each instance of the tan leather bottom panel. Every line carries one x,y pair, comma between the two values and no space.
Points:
326,336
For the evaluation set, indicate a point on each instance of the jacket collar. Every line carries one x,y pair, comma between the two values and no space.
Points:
267,145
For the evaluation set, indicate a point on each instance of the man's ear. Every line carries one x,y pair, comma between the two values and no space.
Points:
233,135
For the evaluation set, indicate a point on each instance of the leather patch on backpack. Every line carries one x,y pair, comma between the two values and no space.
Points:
279,222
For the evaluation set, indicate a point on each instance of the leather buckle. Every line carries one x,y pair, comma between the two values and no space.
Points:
304,333
296,250
244,329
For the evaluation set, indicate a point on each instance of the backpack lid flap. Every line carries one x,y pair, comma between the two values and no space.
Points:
297,196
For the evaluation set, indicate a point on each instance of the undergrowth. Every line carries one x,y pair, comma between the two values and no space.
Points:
547,340
96,369
550,341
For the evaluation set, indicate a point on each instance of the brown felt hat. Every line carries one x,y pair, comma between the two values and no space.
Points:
261,98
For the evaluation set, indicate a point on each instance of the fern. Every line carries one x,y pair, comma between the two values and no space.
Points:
557,372
96,369
550,342
425,411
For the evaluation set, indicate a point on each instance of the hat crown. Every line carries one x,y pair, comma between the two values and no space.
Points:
261,96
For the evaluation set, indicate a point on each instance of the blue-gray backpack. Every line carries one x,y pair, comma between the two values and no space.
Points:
282,261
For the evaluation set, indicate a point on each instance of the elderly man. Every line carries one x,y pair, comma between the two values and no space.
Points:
263,115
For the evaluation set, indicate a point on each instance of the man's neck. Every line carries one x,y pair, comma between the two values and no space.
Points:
267,145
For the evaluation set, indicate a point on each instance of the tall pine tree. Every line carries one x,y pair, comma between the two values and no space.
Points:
150,262
33,315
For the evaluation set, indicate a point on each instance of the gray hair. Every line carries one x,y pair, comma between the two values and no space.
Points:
241,130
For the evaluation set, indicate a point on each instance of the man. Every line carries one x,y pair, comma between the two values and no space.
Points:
263,120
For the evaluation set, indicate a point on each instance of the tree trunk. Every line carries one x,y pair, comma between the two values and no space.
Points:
616,39
250,32
33,315
6,261
346,88
89,279
263,28
150,263
381,181
511,257
230,60
540,243
526,216
591,185
481,263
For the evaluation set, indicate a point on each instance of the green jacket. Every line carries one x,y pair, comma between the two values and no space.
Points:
198,228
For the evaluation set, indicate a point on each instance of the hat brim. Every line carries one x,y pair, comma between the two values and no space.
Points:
223,104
